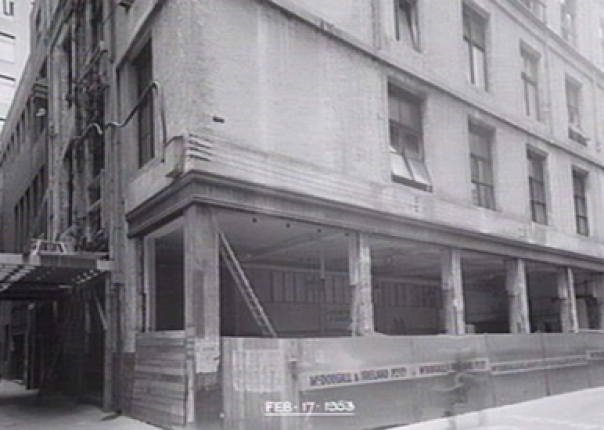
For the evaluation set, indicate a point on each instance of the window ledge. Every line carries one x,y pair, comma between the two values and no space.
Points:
539,224
485,208
407,46
411,183
576,135
409,172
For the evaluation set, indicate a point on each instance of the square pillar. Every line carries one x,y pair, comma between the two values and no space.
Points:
518,296
452,288
359,267
598,293
202,318
568,301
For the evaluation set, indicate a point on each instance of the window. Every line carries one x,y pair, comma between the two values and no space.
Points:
536,7
530,83
568,16
17,213
474,35
580,198
8,7
40,103
481,165
573,106
406,22
38,26
536,177
406,139
573,103
143,65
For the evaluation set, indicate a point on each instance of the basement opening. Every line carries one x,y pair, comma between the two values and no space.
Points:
298,272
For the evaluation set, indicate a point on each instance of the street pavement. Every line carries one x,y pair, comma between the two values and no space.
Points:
19,410
581,410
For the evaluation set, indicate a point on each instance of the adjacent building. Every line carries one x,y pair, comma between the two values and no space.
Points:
237,204
14,49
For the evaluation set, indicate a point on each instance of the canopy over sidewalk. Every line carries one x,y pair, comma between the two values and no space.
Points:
45,277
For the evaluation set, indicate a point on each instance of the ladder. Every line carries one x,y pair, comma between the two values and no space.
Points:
245,288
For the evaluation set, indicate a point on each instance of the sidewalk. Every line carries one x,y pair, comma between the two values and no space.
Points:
20,411
581,410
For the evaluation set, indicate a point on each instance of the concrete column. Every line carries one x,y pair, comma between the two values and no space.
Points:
359,267
568,301
110,337
518,296
598,293
202,318
601,313
452,288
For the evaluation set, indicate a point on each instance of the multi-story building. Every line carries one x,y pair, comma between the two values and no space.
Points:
14,49
315,173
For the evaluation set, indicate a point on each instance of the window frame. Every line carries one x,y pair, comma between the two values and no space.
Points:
145,128
406,20
8,8
568,21
580,200
573,93
478,164
407,166
537,185
532,60
471,18
536,7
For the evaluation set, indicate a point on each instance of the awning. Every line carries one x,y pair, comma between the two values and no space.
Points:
46,277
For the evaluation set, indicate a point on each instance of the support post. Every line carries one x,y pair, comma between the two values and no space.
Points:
517,296
601,312
452,289
202,319
598,293
568,301
359,266
109,337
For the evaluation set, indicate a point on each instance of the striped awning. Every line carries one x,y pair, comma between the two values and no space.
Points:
46,277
